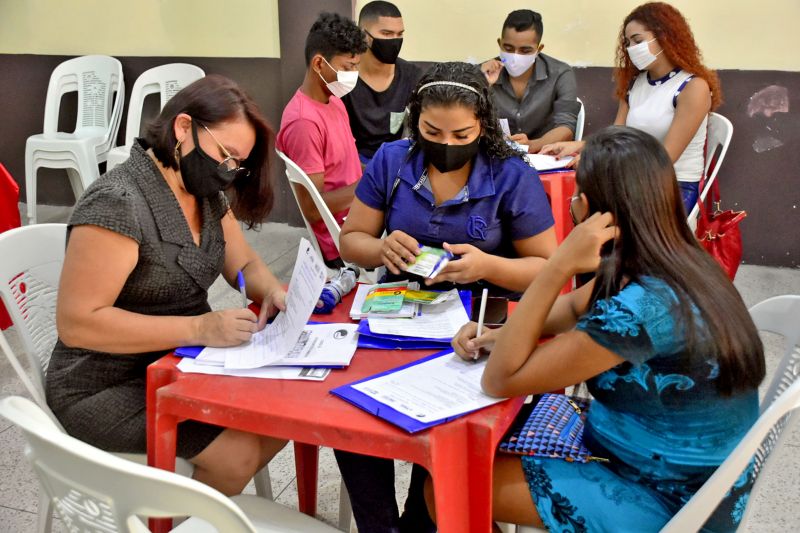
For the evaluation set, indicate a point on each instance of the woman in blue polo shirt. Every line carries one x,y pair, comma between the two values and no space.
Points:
454,184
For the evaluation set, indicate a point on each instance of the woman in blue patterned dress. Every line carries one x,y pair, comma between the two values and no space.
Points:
662,338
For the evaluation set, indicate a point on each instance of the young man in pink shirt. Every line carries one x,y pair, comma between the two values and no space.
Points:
315,130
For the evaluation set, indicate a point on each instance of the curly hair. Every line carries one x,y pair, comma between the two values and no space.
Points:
333,34
492,141
675,38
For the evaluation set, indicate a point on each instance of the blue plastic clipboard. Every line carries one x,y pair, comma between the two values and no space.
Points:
375,407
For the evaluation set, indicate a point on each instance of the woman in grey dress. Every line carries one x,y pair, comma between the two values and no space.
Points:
145,242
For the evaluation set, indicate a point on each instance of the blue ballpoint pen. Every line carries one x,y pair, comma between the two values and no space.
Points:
240,278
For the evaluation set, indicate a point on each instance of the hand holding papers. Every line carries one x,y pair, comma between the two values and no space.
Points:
543,162
278,342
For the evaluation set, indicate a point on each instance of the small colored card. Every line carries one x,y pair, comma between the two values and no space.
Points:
427,297
430,262
385,298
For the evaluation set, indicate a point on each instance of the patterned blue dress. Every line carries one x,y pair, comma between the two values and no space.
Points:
659,419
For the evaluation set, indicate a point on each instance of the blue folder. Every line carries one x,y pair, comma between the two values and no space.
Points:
380,341
375,407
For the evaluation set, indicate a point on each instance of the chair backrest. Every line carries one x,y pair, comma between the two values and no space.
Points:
718,139
101,95
297,177
29,276
581,120
95,491
165,80
780,315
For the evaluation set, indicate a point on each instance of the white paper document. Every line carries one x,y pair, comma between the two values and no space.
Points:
440,321
274,342
271,372
440,388
547,162
318,345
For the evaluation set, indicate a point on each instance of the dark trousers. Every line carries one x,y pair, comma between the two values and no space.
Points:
370,482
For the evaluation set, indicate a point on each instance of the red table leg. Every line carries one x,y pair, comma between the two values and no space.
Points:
163,457
462,479
306,462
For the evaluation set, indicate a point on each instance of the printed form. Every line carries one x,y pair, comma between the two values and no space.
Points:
276,340
442,387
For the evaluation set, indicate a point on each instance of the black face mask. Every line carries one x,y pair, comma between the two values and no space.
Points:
448,157
386,50
203,176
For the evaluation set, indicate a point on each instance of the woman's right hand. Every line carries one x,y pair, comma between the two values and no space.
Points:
230,327
562,149
398,250
468,346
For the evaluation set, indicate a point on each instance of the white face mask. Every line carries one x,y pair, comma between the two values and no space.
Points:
641,56
345,81
517,64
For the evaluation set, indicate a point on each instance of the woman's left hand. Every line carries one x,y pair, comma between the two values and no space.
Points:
272,302
580,251
471,266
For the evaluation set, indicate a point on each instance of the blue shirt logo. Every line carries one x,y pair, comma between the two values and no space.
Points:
476,227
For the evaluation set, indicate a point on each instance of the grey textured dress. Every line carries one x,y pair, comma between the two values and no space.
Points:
100,397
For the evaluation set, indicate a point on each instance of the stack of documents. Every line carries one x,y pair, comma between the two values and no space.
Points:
422,394
432,328
408,310
288,340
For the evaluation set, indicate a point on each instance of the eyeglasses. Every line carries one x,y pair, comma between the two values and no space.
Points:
229,165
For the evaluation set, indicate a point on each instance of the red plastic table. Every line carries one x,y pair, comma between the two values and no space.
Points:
560,186
459,454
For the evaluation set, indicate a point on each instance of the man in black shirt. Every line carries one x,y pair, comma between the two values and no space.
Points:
376,106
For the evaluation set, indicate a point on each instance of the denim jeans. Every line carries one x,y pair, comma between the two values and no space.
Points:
689,194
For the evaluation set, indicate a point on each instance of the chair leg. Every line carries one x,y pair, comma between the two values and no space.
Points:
345,510
45,519
30,185
263,483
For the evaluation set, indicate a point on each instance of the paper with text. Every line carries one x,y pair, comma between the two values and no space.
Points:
440,388
440,321
190,366
274,342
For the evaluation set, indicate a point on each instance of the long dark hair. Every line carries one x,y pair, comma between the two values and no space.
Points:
212,100
492,141
628,173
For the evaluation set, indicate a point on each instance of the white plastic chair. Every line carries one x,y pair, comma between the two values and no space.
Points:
718,138
29,277
297,177
92,490
165,80
581,120
780,315
97,79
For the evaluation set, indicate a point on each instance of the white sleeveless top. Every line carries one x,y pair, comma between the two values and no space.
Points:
651,109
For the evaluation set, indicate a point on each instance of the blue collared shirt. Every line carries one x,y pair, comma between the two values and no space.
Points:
503,201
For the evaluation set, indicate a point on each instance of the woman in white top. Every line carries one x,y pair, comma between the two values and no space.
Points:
664,89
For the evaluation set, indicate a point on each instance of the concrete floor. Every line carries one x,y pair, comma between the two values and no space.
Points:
773,508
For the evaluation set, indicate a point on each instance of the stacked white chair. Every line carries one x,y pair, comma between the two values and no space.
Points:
101,95
165,80
29,277
92,490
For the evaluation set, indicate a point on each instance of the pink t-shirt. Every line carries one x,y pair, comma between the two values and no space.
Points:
317,137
